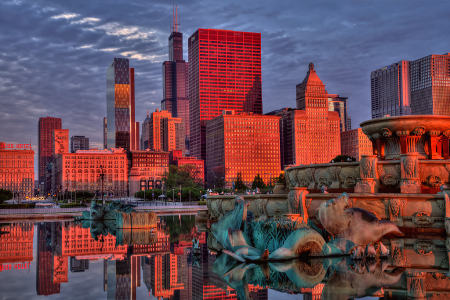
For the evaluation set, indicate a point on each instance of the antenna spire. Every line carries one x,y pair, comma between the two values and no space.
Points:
175,19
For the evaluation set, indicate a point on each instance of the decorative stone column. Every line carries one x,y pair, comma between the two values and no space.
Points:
445,145
368,175
297,204
432,139
446,193
416,285
410,182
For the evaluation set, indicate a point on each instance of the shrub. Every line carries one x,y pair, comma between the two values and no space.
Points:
201,202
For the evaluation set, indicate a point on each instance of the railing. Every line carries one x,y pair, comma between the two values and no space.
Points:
78,209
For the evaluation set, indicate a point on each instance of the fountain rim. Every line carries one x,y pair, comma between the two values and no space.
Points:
408,117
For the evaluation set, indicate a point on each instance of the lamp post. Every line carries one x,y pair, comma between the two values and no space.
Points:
173,195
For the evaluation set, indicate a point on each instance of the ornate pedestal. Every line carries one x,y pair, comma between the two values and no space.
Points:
410,182
368,175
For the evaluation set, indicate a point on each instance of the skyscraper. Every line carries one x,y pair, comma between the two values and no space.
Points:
430,85
390,91
339,104
105,133
175,81
78,142
45,130
317,130
224,74
122,130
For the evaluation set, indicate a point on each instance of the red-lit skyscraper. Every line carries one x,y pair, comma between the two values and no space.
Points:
45,130
224,74
175,81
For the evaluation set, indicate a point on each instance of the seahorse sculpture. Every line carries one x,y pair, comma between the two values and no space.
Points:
352,228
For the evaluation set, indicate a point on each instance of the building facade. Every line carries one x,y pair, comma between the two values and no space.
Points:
105,133
78,143
339,104
355,143
176,82
245,143
17,172
122,130
224,74
82,171
45,130
316,129
162,132
60,143
430,85
198,170
147,169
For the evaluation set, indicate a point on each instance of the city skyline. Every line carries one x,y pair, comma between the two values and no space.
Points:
55,62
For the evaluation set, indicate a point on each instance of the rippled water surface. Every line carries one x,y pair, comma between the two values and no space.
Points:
63,260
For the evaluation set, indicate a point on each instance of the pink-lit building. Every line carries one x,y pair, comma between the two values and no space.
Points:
355,143
176,158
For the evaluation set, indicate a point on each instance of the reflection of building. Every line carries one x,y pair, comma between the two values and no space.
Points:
82,170
339,104
244,143
147,169
16,245
224,74
122,130
198,171
17,172
78,143
319,128
78,265
175,82
45,129
162,132
164,278
44,266
314,293
355,143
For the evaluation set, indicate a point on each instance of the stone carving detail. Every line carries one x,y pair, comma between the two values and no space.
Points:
292,177
424,247
379,169
434,132
351,202
261,204
397,256
219,207
419,130
398,168
446,133
447,167
350,182
389,180
322,181
334,173
278,214
386,132
393,146
441,204
395,207
402,133
444,263
310,174
416,287
294,201
434,181
302,181
439,276
422,219
376,135
367,166
409,164
308,203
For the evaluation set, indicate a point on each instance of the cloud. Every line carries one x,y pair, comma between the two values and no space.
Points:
65,16
86,20
127,32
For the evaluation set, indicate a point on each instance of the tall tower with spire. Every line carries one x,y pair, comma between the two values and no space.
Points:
175,79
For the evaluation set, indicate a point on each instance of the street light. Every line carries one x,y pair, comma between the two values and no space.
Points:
102,175
67,183
173,195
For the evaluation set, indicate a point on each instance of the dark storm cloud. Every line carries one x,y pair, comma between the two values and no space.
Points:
54,54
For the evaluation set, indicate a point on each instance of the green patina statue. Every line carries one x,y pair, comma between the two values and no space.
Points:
105,212
353,232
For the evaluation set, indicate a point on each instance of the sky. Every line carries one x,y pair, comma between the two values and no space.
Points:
54,54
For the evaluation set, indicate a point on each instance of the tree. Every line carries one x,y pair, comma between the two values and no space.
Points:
343,158
281,178
258,182
239,184
5,195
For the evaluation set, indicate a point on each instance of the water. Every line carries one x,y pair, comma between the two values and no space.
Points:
62,260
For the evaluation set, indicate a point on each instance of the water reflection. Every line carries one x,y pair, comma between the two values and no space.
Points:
62,259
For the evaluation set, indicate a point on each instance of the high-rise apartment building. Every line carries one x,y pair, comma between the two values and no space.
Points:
245,143
60,143
430,85
355,143
339,104
78,142
316,133
176,81
419,87
162,132
122,130
45,130
390,90
224,74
